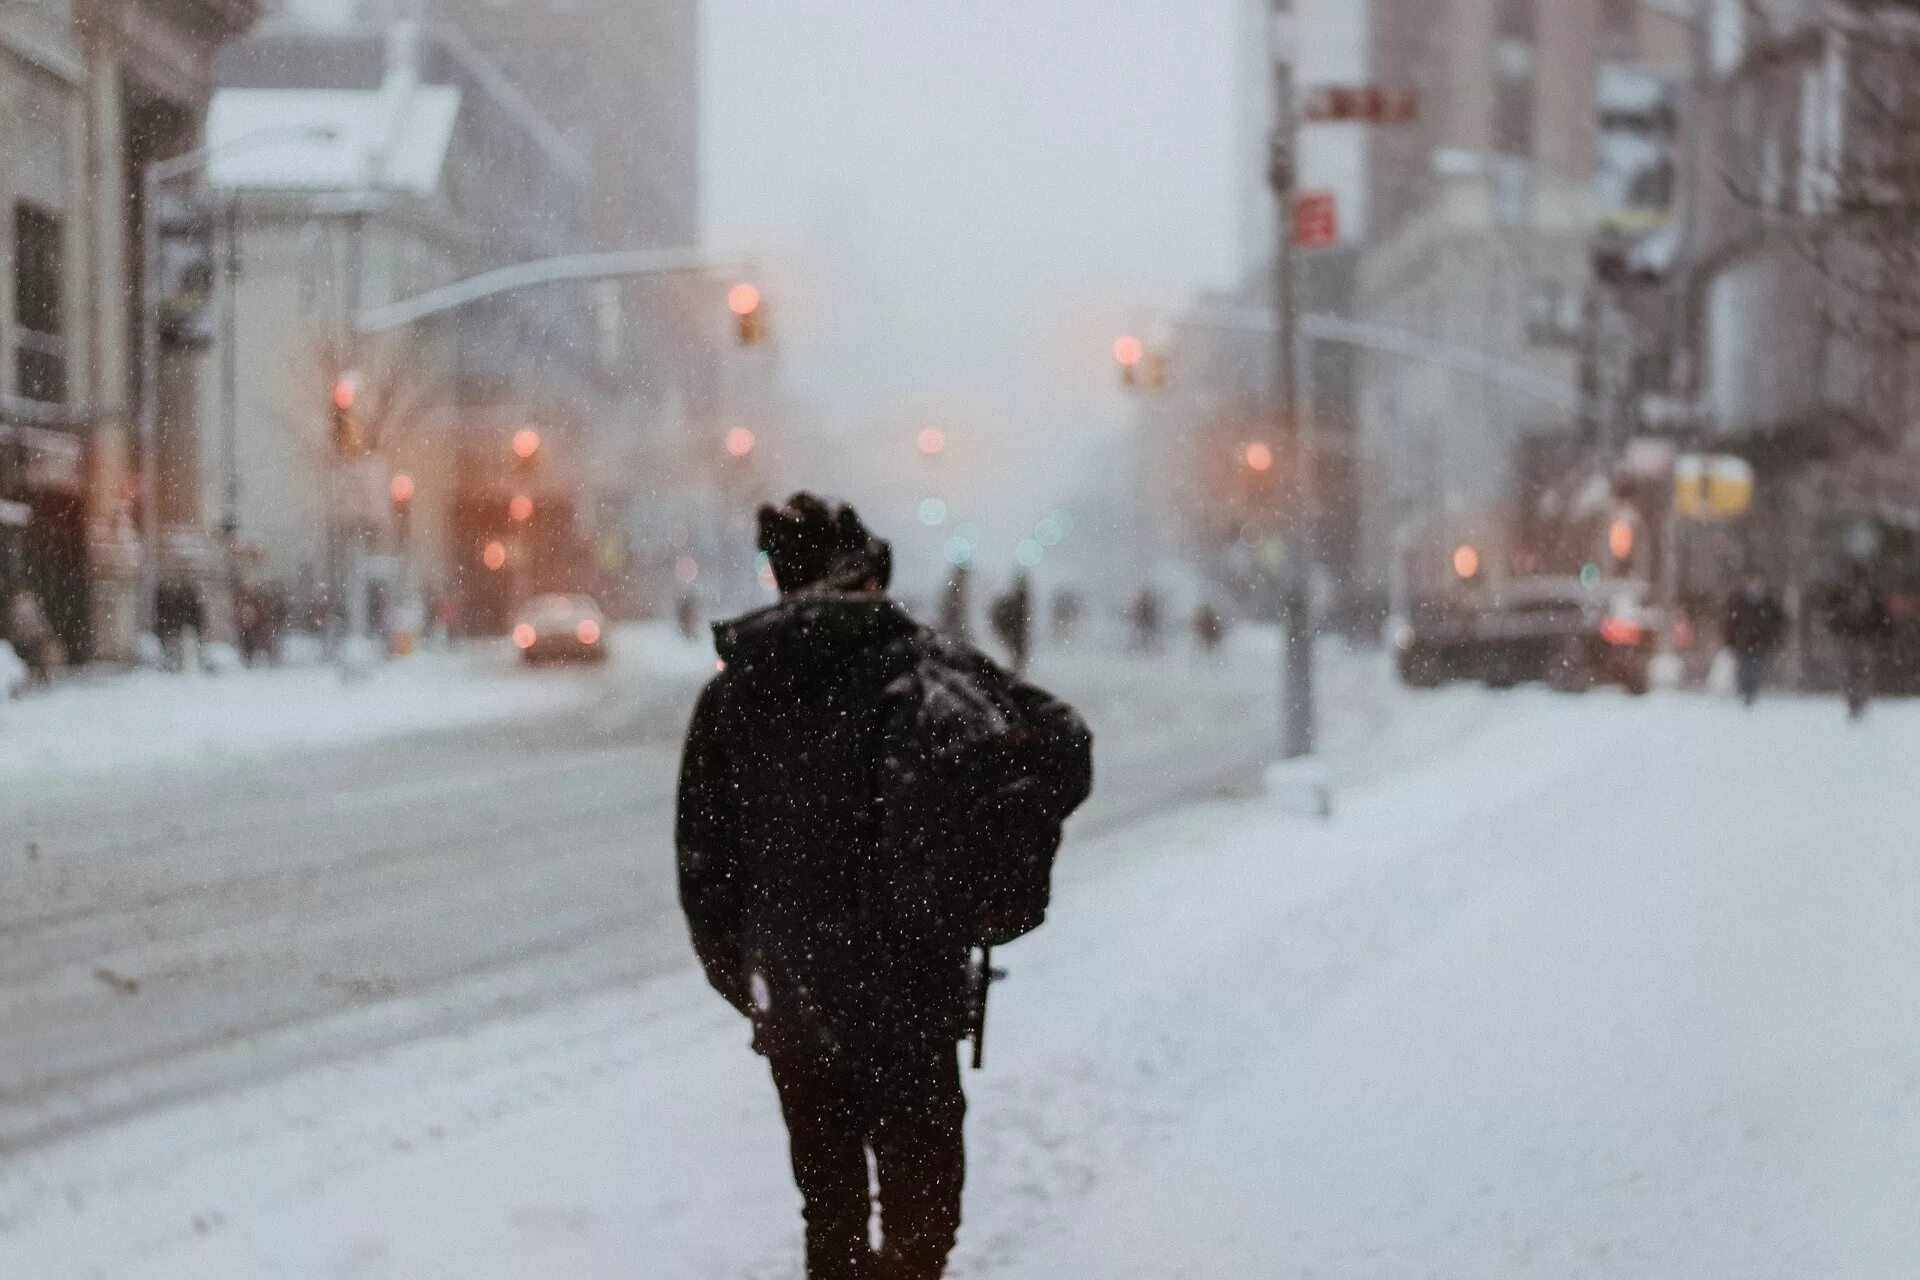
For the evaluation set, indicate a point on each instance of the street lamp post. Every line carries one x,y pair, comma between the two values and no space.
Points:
1296,697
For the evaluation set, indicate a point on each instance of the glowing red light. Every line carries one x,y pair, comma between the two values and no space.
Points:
524,636
743,299
1620,539
494,556
400,488
740,442
1129,351
588,632
526,443
520,508
932,441
1466,562
1259,457
1617,631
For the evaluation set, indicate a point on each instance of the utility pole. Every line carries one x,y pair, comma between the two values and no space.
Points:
229,407
1296,606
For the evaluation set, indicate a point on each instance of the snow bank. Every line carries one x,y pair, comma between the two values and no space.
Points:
100,722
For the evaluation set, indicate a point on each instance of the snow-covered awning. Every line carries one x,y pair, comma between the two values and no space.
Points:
390,139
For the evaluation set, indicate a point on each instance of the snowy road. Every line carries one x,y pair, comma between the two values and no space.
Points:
1568,987
189,929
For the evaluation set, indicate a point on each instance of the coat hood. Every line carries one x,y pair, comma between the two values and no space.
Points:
812,632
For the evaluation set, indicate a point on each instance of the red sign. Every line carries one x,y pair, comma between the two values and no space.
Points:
1316,224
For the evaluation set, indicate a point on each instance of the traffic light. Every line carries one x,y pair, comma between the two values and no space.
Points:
400,490
520,508
526,447
749,314
1128,353
1258,456
1466,562
933,441
345,404
1620,541
740,442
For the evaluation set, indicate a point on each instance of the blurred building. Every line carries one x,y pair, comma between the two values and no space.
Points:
433,168
1804,256
1481,238
92,92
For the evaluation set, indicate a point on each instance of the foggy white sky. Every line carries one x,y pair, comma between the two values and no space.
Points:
963,204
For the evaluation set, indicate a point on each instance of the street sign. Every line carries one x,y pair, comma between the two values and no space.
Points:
1360,104
1316,222
1712,486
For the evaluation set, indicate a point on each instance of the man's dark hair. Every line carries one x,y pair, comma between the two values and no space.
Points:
817,544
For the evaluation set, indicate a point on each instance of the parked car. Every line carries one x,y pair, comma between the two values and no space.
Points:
560,628
1556,630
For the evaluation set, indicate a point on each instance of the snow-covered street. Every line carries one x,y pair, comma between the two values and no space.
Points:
1566,987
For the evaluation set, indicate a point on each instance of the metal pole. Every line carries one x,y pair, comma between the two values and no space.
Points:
229,407
1296,622
149,425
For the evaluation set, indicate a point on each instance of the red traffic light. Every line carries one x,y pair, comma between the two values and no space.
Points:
743,299
740,442
346,392
520,508
933,441
1129,351
400,489
1466,562
526,443
1258,457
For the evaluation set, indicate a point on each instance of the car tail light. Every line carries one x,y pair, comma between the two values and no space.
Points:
588,632
524,636
1617,631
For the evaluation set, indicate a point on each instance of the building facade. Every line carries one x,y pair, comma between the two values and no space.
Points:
437,169
1803,294
94,91
1484,215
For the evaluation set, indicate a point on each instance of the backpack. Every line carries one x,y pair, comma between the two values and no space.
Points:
980,772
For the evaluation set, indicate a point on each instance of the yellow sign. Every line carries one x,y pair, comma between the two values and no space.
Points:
1712,486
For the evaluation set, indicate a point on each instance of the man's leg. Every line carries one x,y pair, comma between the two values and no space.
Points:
826,1133
918,1146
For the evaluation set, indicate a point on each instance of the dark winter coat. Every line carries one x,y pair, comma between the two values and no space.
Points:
1859,613
802,911
1755,624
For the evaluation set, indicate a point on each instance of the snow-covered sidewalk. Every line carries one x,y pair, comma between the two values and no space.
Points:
94,723
1610,987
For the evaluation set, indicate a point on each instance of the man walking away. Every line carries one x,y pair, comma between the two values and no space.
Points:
1756,623
862,801
1858,617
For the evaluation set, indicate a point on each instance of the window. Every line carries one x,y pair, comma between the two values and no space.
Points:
40,349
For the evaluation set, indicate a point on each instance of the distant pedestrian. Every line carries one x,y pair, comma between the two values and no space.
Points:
1209,630
862,801
1067,608
1012,619
32,635
1858,617
179,620
1145,617
686,615
1756,624
955,605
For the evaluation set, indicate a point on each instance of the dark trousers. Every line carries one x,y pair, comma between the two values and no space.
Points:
907,1109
